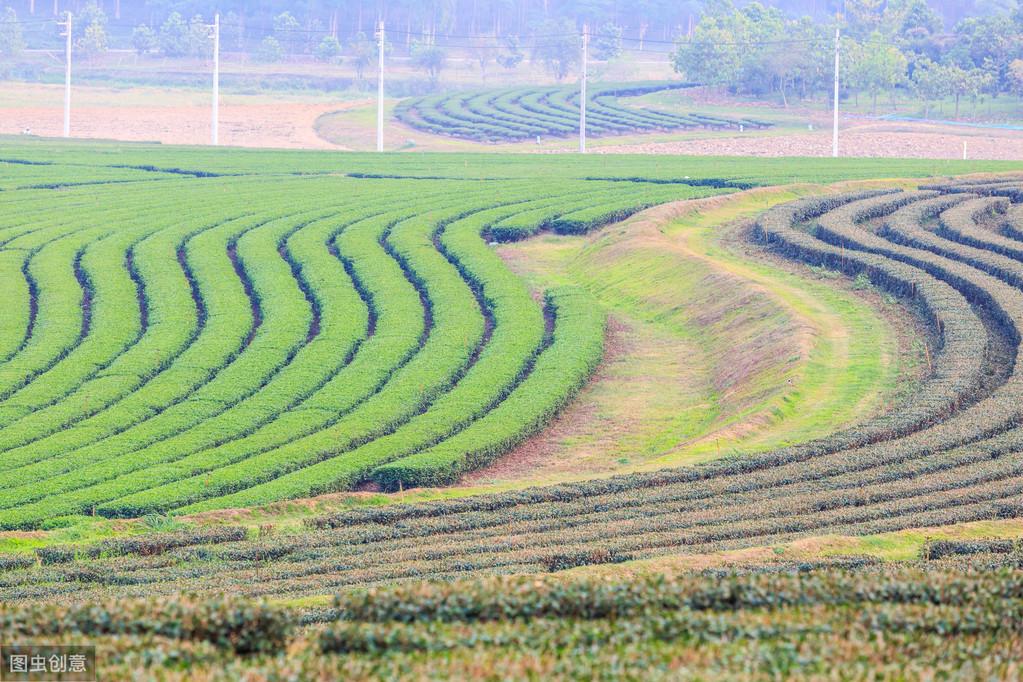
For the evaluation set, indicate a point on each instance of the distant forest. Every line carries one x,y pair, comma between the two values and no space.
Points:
967,50
660,19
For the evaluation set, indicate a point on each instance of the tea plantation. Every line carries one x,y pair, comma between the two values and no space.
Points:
516,114
188,331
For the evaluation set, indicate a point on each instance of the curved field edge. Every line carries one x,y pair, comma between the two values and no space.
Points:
721,349
495,115
754,402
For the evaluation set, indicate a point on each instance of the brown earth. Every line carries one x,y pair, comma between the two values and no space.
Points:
282,125
580,416
916,140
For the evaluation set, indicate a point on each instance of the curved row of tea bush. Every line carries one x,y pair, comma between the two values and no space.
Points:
288,337
518,114
954,614
948,455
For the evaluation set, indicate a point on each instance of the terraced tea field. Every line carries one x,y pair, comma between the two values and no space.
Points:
517,114
187,333
948,455
187,336
233,357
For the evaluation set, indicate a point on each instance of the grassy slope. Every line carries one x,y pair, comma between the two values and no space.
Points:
722,354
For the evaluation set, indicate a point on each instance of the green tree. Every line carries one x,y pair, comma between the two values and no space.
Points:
174,36
364,51
557,46
90,30
12,42
288,32
199,39
484,51
1014,77
312,36
512,55
711,57
977,39
877,68
270,51
144,40
920,17
90,15
970,83
429,58
862,17
232,31
932,82
607,41
920,31
754,49
329,50
93,41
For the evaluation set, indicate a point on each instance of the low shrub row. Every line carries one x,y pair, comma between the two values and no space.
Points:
520,114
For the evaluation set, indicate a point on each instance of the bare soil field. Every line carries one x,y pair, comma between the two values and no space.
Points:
170,117
909,140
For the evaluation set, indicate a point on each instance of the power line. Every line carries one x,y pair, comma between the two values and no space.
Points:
26,22
534,41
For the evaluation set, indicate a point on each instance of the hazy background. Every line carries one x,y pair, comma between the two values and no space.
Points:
304,73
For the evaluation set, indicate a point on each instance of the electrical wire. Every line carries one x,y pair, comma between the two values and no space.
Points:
534,41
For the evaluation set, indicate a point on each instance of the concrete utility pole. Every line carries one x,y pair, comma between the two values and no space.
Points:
380,88
834,133
215,123
67,78
582,91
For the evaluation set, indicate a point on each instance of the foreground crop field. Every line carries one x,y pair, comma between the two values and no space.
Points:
292,334
231,358
958,610
947,455
190,332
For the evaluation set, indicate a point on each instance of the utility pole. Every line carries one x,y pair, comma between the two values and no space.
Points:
215,123
834,132
582,92
67,78
380,88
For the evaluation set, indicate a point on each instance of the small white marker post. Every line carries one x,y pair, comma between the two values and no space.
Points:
380,88
964,150
67,78
215,122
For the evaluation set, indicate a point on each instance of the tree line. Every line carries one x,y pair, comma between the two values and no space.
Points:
754,49
778,48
